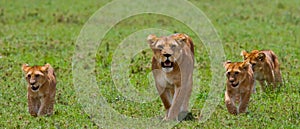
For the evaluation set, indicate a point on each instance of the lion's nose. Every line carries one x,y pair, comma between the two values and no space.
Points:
167,55
231,80
32,82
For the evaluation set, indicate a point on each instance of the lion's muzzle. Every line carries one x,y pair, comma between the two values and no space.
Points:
235,84
34,88
167,63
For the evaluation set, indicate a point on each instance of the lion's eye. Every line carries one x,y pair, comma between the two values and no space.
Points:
236,73
228,73
29,76
160,47
36,75
173,46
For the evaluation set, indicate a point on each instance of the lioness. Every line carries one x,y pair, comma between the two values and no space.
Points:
239,85
172,67
265,66
41,89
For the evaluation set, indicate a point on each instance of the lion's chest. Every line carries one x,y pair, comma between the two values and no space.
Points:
263,75
259,75
167,81
37,95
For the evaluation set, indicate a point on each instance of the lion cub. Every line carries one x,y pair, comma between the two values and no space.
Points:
41,89
239,85
172,67
265,66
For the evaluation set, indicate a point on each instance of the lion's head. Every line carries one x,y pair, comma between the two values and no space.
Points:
256,58
236,72
35,76
167,49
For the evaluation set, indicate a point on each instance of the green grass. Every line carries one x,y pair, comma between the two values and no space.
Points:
36,32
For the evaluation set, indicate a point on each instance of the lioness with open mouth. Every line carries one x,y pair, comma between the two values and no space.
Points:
172,67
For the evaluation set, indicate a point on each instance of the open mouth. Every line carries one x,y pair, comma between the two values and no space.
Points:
167,64
35,88
235,85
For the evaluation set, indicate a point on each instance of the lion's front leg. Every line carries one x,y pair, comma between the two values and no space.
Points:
263,85
50,107
33,105
230,103
165,94
245,97
176,104
254,88
166,97
45,101
271,81
186,100
184,113
183,89
181,99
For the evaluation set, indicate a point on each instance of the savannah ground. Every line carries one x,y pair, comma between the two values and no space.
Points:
36,32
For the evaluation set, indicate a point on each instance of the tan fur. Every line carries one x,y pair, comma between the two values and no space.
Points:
174,83
239,86
265,66
41,89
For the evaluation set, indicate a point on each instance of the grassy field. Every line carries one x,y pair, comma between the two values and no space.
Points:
36,32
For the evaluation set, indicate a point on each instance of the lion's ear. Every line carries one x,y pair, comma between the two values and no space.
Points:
181,38
25,67
244,53
45,67
261,56
226,64
151,39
